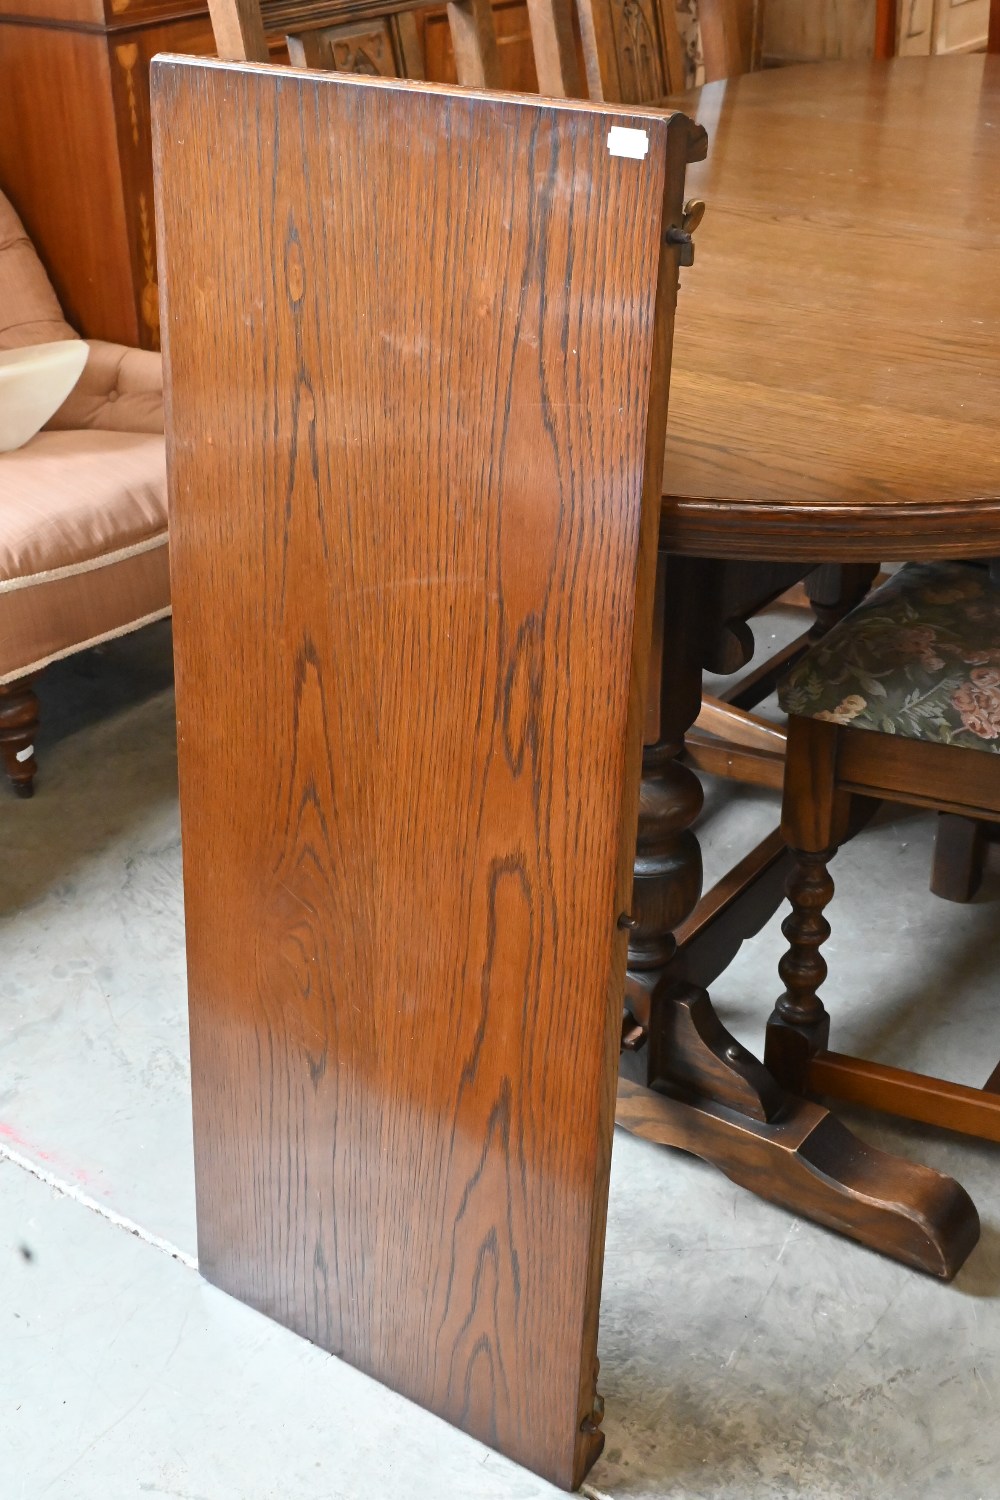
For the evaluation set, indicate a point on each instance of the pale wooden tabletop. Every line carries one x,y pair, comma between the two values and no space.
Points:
836,375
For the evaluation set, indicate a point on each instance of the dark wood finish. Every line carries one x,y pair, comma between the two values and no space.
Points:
810,1164
18,727
834,590
409,800
760,682
959,849
668,867
723,1103
735,909
948,778
810,457
386,46
992,1084
826,765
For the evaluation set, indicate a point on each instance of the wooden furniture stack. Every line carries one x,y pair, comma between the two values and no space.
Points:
409,799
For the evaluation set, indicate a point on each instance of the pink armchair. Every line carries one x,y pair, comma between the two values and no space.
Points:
83,505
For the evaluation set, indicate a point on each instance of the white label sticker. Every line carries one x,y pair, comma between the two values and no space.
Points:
25,754
623,141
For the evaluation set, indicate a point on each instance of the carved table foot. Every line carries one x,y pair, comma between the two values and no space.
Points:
805,1160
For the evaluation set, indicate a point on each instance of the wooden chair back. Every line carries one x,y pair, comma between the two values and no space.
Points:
416,447
633,52
359,37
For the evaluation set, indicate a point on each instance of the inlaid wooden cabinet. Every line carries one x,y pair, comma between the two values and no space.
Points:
75,154
75,151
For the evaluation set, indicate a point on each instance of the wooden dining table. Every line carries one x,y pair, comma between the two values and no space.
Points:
835,400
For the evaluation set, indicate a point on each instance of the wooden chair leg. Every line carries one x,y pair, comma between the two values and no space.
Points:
959,855
18,723
835,589
799,1026
815,820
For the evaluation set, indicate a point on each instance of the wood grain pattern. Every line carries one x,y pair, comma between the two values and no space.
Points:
842,323
417,422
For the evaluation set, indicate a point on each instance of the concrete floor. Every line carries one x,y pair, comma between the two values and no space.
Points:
744,1354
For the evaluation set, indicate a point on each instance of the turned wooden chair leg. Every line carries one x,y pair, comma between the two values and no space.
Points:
799,1026
835,589
815,820
18,724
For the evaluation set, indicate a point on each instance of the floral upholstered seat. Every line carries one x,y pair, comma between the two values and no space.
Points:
919,658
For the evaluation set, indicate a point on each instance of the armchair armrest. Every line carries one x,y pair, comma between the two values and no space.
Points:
120,390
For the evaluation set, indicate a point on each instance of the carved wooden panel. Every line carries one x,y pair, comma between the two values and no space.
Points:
640,49
361,47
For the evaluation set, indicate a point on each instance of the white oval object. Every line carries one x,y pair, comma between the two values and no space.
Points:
34,383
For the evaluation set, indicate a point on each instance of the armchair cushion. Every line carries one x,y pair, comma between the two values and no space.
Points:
120,390
83,543
29,309
920,658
